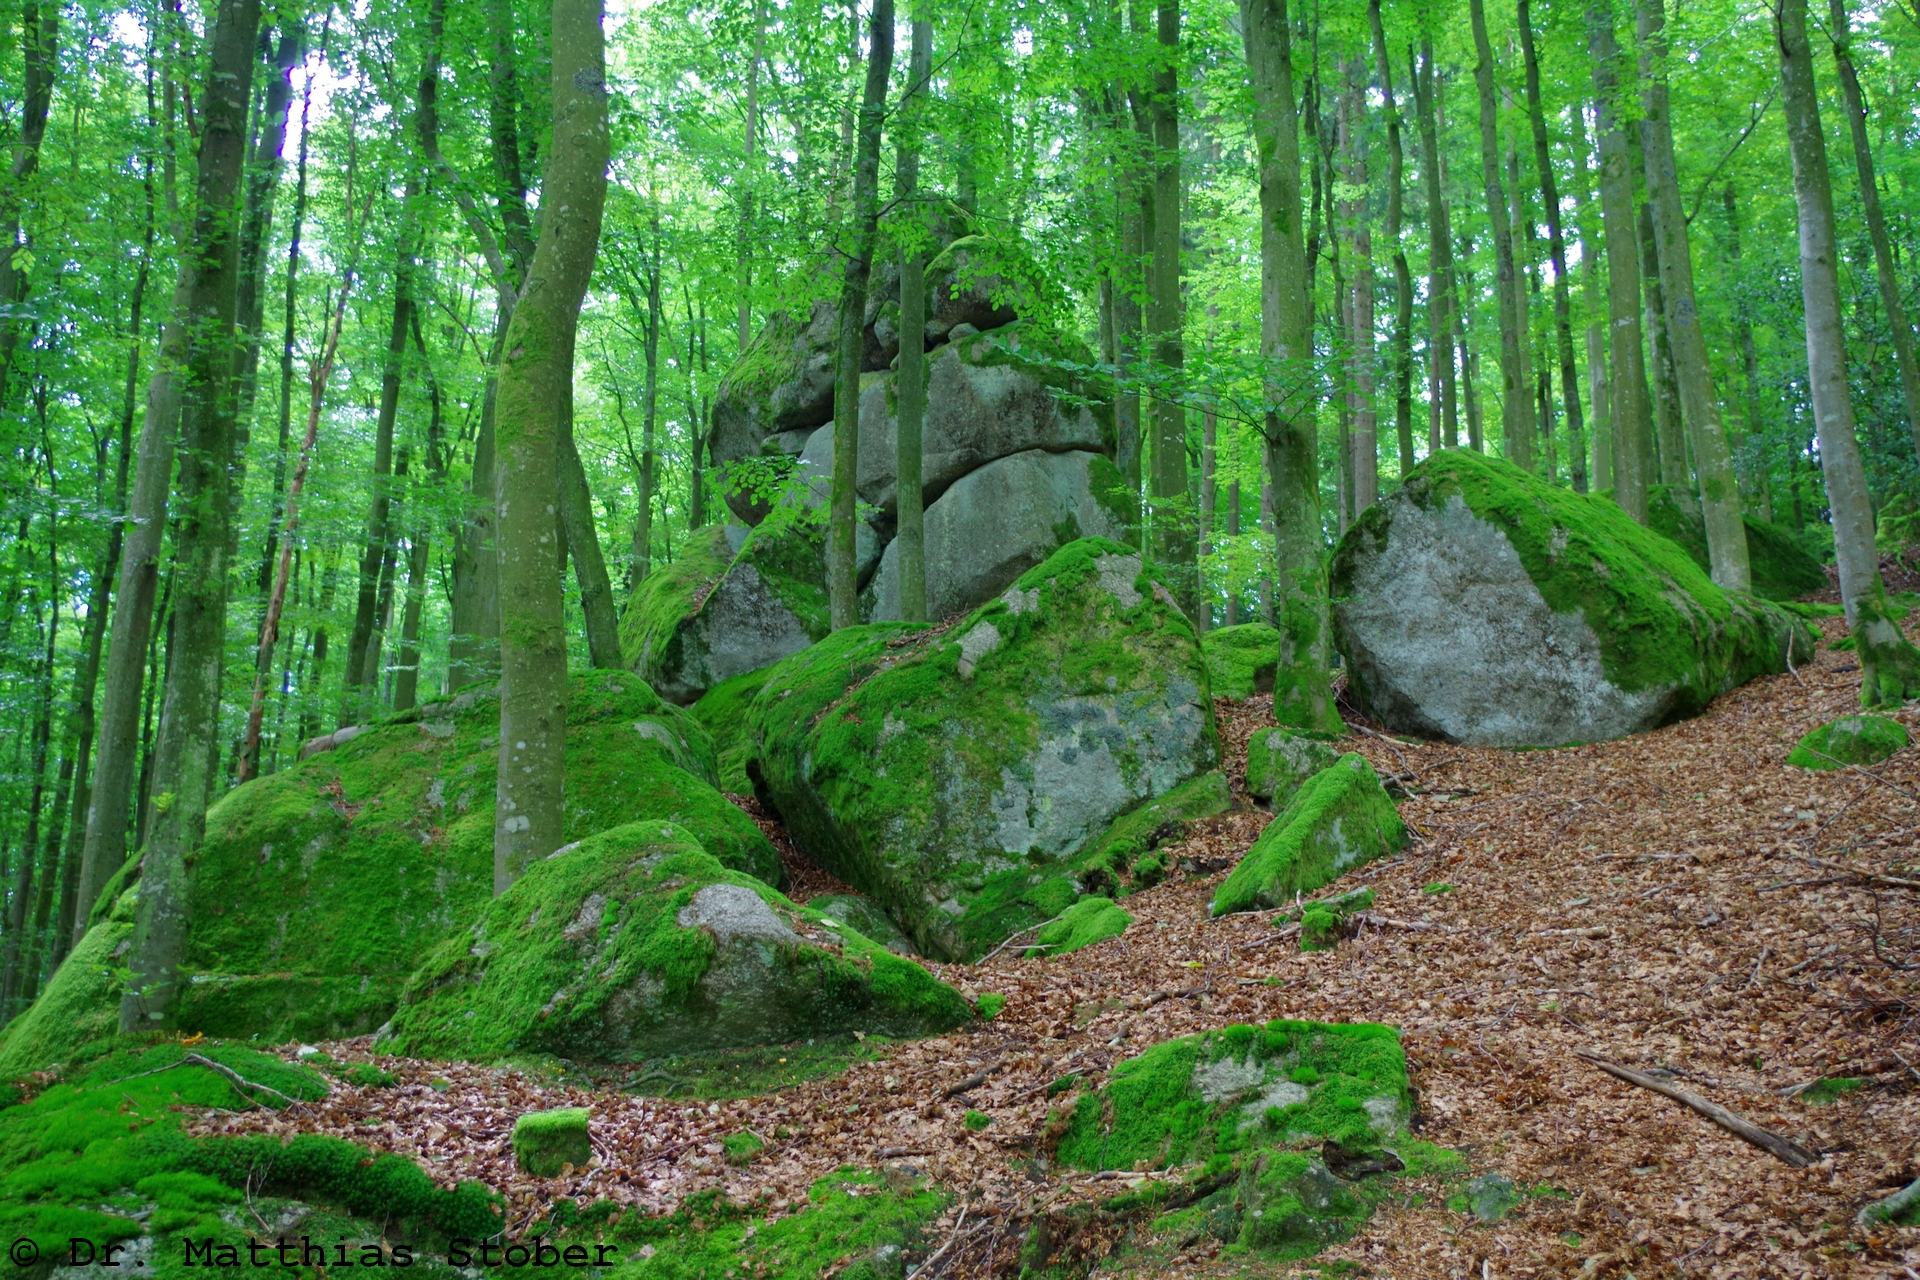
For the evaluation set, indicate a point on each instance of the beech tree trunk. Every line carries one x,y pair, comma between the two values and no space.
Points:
1302,686
1441,299
535,389
1670,452
1592,289
1762,494
1174,539
184,763
1363,457
1841,34
1633,463
1516,409
583,547
1557,250
862,228
1402,275
1712,460
750,151
1889,666
40,49
911,383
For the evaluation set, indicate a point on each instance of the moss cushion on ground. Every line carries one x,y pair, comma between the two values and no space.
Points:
1850,740
636,943
1340,819
1241,660
955,774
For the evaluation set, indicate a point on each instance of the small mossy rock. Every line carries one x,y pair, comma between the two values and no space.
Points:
1479,604
78,1013
546,1142
636,943
319,888
1086,922
1127,857
858,912
1850,740
1241,660
1341,818
782,382
652,638
955,775
1491,1197
1294,1205
1780,568
722,711
997,522
1279,761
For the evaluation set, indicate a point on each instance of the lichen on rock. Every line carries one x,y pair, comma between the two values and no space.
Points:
1340,819
955,774
634,943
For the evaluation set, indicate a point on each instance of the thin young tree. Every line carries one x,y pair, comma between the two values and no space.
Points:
535,383
1174,539
1302,685
858,238
1516,406
911,384
1402,340
183,764
1364,452
1441,298
1889,665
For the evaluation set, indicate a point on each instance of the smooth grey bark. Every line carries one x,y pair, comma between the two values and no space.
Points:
1633,462
1174,540
40,59
1593,289
1670,453
1889,665
535,390
649,408
1442,305
184,770
583,547
911,382
1363,455
1557,252
861,230
750,172
1712,460
1516,407
1402,340
1761,487
1298,604
1840,32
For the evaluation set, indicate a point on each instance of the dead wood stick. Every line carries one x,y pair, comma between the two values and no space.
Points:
1874,876
973,1081
1583,931
1755,975
1393,747
1818,955
1377,920
1784,1149
1795,674
1032,928
1865,773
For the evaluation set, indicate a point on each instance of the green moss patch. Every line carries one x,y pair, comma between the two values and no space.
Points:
650,622
1340,819
1830,1089
546,1142
1128,856
1850,740
1086,922
722,712
102,1157
1241,660
637,943
78,1015
1781,568
1279,761
956,775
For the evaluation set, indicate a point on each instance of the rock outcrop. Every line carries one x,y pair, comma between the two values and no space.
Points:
636,943
1479,604
959,775
1279,761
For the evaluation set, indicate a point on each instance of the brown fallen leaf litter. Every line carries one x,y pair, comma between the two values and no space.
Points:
1679,902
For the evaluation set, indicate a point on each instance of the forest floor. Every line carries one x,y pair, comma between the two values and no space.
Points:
1678,901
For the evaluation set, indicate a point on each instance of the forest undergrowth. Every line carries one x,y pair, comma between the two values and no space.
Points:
1680,902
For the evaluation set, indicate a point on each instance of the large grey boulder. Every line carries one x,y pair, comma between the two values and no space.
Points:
1478,604
782,382
964,778
1001,520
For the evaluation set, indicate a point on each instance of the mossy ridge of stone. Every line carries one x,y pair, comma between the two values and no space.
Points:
319,888
863,915
1340,819
1240,1102
79,1011
1086,922
1779,567
954,777
1850,740
545,1142
1128,857
1279,762
722,710
1242,659
650,639
1480,604
636,943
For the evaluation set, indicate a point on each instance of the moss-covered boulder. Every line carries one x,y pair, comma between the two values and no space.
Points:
1241,660
1339,819
1781,568
1086,922
1131,855
318,889
863,915
1289,1121
79,1011
1479,604
546,1142
722,712
634,943
957,775
653,638
1280,760
781,384
1850,740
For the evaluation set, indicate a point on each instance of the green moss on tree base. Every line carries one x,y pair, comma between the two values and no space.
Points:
1850,740
1086,922
1241,660
1340,819
637,943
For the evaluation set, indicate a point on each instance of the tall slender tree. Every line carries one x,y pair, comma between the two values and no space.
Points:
1175,544
1402,340
1516,406
911,393
1441,308
1363,454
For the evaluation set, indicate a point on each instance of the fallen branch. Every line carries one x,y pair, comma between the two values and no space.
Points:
1865,773
1874,876
1032,928
973,1081
1755,975
235,1078
1892,1207
1784,1149
1818,955
1584,931
1378,921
